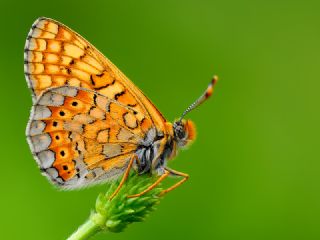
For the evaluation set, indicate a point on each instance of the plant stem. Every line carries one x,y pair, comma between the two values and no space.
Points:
88,229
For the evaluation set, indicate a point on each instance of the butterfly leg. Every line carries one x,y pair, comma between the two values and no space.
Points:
175,173
160,179
125,176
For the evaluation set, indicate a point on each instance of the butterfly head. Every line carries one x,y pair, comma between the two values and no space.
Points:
184,130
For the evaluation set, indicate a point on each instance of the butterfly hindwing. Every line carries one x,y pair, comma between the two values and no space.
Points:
80,137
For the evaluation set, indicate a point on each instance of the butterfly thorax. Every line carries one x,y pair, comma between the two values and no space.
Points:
153,151
158,147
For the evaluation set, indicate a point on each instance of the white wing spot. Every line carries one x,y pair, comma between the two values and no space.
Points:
52,172
66,91
36,127
41,112
46,158
40,142
51,99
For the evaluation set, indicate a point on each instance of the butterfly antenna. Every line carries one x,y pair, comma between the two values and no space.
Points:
202,98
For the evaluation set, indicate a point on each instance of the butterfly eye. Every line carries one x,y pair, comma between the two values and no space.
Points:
180,132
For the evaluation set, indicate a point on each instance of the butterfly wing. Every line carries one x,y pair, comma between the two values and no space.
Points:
56,55
80,137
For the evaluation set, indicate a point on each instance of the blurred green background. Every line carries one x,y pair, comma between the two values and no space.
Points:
255,165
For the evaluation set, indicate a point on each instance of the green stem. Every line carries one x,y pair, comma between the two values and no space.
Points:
89,228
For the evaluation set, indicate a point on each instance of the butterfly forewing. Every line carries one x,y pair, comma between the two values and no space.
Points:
56,55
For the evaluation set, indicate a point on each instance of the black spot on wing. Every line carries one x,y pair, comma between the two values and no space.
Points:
105,86
95,99
100,75
119,94
92,80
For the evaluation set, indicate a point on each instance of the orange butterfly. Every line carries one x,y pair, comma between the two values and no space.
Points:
89,123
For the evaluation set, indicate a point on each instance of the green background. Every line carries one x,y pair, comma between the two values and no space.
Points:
255,165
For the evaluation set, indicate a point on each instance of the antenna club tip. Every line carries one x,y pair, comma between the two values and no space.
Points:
202,98
215,79
211,86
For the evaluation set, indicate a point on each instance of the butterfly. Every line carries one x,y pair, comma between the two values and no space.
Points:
89,123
